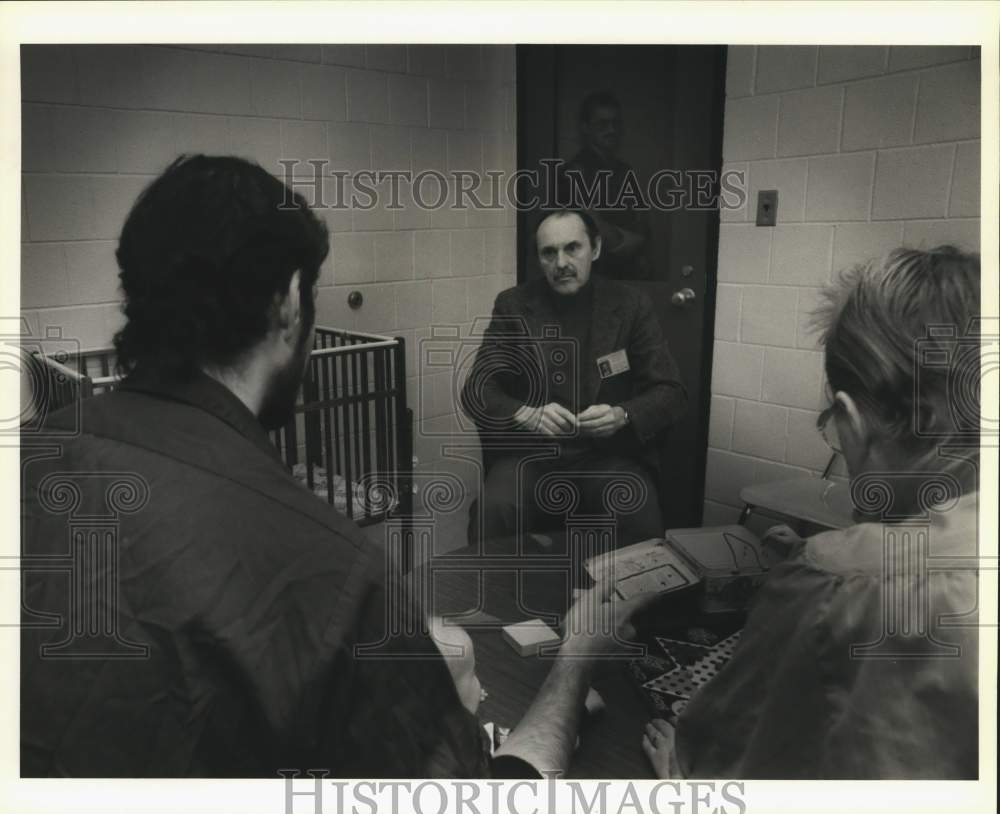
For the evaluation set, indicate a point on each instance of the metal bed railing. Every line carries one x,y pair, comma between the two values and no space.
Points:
351,440
356,423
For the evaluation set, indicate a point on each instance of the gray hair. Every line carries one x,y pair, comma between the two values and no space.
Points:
882,321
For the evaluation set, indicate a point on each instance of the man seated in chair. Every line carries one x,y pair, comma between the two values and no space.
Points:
575,376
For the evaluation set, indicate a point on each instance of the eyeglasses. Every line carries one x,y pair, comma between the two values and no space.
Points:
828,428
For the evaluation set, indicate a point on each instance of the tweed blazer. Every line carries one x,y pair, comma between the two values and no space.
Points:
509,370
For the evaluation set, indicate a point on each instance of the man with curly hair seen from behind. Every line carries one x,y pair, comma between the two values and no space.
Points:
237,599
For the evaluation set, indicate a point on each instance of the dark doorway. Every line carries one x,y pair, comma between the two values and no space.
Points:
670,101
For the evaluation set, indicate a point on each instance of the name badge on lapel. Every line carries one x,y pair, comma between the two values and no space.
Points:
613,364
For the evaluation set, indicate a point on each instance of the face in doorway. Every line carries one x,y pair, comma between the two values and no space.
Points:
603,130
565,252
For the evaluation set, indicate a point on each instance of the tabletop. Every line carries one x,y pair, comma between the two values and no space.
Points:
483,595
823,503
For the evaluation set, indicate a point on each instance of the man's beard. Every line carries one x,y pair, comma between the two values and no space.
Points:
278,406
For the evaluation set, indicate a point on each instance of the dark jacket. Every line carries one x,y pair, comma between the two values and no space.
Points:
509,367
204,608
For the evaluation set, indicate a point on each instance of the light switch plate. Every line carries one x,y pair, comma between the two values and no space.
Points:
767,207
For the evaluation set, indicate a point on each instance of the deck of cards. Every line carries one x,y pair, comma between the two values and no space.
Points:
527,637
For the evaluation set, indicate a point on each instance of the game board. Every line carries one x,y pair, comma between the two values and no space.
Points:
676,667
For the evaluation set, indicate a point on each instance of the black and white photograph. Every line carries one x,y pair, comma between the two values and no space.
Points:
603,416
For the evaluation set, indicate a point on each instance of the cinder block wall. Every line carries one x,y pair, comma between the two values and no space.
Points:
99,122
869,148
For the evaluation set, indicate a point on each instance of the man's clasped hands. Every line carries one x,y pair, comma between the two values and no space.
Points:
553,419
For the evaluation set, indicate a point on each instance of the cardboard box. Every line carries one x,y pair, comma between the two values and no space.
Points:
728,561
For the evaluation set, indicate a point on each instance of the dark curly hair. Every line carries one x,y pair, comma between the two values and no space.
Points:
203,253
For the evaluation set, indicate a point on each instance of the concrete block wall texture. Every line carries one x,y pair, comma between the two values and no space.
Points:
100,122
869,148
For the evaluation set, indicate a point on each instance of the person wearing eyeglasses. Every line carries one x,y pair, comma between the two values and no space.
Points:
781,538
859,658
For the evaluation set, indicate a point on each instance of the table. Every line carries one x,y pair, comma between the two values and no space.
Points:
484,590
823,503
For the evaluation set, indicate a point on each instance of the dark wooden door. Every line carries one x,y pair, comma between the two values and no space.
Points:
671,101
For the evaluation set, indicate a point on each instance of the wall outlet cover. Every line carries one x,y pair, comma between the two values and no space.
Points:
767,207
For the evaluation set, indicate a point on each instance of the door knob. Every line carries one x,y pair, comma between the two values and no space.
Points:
683,297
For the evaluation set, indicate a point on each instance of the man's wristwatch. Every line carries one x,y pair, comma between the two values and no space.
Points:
628,418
